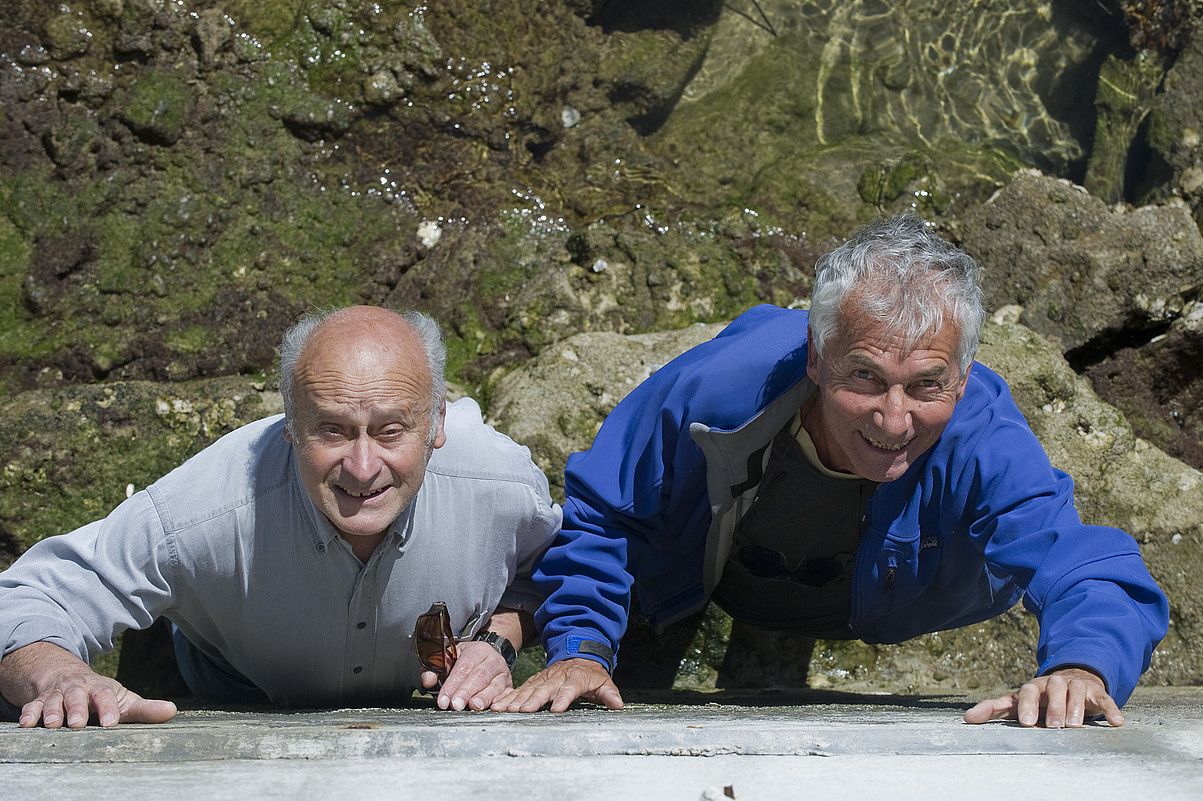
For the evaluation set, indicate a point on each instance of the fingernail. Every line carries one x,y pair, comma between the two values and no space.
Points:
444,702
1028,720
477,703
457,704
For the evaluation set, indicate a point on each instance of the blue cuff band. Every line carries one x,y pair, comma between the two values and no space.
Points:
576,646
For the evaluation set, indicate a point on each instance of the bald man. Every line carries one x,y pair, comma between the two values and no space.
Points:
293,556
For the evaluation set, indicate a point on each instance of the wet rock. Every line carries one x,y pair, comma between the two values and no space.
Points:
67,36
1122,101
1159,387
157,107
1156,26
1086,274
645,72
1175,131
513,289
212,32
556,402
67,142
419,49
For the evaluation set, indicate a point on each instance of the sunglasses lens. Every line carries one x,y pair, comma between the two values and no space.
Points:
434,641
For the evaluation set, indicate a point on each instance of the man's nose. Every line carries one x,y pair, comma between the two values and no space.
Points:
362,461
894,416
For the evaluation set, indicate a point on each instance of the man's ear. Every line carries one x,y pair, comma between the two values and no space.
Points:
812,356
440,436
964,382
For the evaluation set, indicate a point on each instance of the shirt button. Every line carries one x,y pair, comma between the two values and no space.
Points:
358,669
361,625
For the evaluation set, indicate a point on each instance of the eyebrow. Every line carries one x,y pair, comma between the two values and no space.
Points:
864,361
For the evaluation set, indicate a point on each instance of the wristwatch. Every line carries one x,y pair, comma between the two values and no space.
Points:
503,646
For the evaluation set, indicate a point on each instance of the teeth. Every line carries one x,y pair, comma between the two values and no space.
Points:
883,445
355,494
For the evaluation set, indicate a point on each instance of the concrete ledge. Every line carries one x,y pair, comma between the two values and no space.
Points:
847,743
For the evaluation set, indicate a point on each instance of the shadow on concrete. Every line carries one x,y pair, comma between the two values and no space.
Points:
799,697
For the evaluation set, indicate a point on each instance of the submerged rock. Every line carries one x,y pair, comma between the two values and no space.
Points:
1122,102
1175,131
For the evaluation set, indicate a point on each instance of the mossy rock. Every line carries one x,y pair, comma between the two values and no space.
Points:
71,454
157,107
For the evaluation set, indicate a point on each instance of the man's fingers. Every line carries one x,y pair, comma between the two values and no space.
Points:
108,709
148,710
475,672
1030,696
992,709
1075,703
52,709
1056,701
503,699
1105,705
608,696
77,702
1062,698
533,695
500,684
565,695
31,714
1100,702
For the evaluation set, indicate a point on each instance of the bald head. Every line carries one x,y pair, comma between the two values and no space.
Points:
357,334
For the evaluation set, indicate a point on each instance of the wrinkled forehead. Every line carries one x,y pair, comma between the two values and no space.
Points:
366,371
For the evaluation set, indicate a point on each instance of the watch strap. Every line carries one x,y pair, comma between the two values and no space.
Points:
503,646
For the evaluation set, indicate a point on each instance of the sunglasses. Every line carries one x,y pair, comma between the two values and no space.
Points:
435,641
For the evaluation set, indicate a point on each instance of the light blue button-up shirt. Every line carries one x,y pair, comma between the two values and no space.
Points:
231,549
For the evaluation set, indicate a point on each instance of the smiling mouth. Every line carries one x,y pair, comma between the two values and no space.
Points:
358,495
882,446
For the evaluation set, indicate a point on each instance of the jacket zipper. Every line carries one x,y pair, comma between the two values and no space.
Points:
887,581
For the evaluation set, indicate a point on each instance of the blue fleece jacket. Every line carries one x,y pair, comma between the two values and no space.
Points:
975,524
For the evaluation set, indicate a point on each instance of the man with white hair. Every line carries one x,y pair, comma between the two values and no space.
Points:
294,555
849,473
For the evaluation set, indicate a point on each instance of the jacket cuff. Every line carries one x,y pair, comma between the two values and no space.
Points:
581,646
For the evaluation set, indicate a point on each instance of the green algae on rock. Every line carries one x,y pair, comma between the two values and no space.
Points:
69,454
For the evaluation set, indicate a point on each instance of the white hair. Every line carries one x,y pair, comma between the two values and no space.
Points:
903,275
295,338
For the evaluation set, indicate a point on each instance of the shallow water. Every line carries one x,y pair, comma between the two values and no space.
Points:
1012,73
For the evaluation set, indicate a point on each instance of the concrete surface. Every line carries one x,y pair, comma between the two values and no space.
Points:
769,746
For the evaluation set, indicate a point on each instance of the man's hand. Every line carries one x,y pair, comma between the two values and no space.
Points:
54,687
561,684
1062,698
480,675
